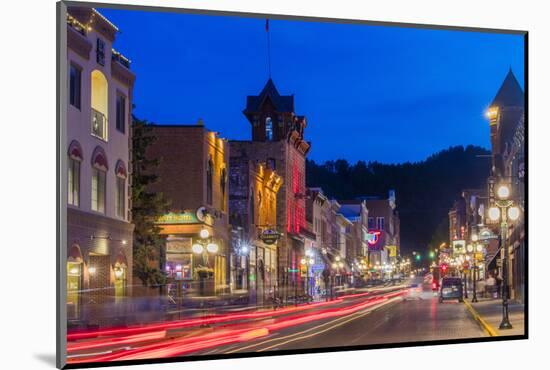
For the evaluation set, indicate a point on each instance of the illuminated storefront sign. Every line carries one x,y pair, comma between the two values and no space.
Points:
186,217
392,249
269,236
459,246
373,237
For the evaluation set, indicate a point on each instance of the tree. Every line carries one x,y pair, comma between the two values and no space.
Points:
426,190
147,206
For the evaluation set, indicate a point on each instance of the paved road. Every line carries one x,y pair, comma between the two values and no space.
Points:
381,315
416,317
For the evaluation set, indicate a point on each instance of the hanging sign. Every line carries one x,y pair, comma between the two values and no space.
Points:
270,236
373,237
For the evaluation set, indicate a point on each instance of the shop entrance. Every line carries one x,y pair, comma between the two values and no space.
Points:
74,285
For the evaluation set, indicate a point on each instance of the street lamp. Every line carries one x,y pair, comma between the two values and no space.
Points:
504,209
307,262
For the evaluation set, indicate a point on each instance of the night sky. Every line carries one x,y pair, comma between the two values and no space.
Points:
369,93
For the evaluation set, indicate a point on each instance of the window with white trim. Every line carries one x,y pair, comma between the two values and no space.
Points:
98,190
73,186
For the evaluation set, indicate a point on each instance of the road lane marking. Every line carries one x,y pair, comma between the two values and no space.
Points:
355,316
484,324
346,318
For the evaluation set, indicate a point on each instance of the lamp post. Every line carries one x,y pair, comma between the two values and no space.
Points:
203,246
502,210
309,261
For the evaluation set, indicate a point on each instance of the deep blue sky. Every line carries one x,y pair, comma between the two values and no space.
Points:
369,92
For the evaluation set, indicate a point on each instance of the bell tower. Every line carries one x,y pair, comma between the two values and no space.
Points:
272,115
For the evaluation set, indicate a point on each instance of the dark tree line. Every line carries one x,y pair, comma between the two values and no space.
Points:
425,190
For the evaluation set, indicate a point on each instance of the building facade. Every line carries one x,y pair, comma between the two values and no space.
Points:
383,236
506,116
253,191
357,213
99,227
278,140
193,176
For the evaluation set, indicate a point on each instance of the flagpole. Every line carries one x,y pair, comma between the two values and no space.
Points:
268,46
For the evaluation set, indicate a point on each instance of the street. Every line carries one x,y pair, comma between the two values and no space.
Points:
403,313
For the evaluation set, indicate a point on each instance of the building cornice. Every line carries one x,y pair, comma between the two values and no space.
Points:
122,74
78,43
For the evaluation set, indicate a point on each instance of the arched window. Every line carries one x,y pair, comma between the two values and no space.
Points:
209,174
120,196
100,104
99,184
268,129
73,173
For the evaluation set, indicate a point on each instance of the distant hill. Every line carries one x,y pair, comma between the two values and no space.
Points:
425,190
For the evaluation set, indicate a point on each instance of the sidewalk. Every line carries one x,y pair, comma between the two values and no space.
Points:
488,312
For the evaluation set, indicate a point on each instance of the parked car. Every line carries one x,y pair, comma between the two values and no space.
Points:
451,288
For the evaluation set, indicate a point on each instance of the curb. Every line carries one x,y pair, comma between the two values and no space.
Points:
488,328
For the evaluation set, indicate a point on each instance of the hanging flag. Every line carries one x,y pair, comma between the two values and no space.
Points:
267,25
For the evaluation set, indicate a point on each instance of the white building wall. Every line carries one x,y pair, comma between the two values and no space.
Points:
79,128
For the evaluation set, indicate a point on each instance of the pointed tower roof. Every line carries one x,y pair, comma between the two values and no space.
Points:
510,93
282,103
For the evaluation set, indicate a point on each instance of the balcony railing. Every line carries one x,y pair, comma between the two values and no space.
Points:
118,57
99,124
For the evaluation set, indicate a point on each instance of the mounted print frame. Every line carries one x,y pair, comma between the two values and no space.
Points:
239,185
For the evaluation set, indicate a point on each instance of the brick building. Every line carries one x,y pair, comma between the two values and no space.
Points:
253,191
278,140
383,236
99,227
193,176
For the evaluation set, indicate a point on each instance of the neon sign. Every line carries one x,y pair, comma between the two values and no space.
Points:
373,237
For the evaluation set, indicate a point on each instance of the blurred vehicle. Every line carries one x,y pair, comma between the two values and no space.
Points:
451,288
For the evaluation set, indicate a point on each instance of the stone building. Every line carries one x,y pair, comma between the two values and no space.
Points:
278,140
193,176
253,191
383,236
507,124
99,222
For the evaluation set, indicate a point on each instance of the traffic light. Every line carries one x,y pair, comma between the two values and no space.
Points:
432,254
418,257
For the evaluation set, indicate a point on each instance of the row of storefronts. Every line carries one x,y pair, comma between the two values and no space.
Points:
487,226
240,223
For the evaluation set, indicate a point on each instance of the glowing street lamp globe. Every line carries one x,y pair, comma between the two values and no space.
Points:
303,261
204,233
513,213
494,213
503,192
311,261
197,248
212,247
